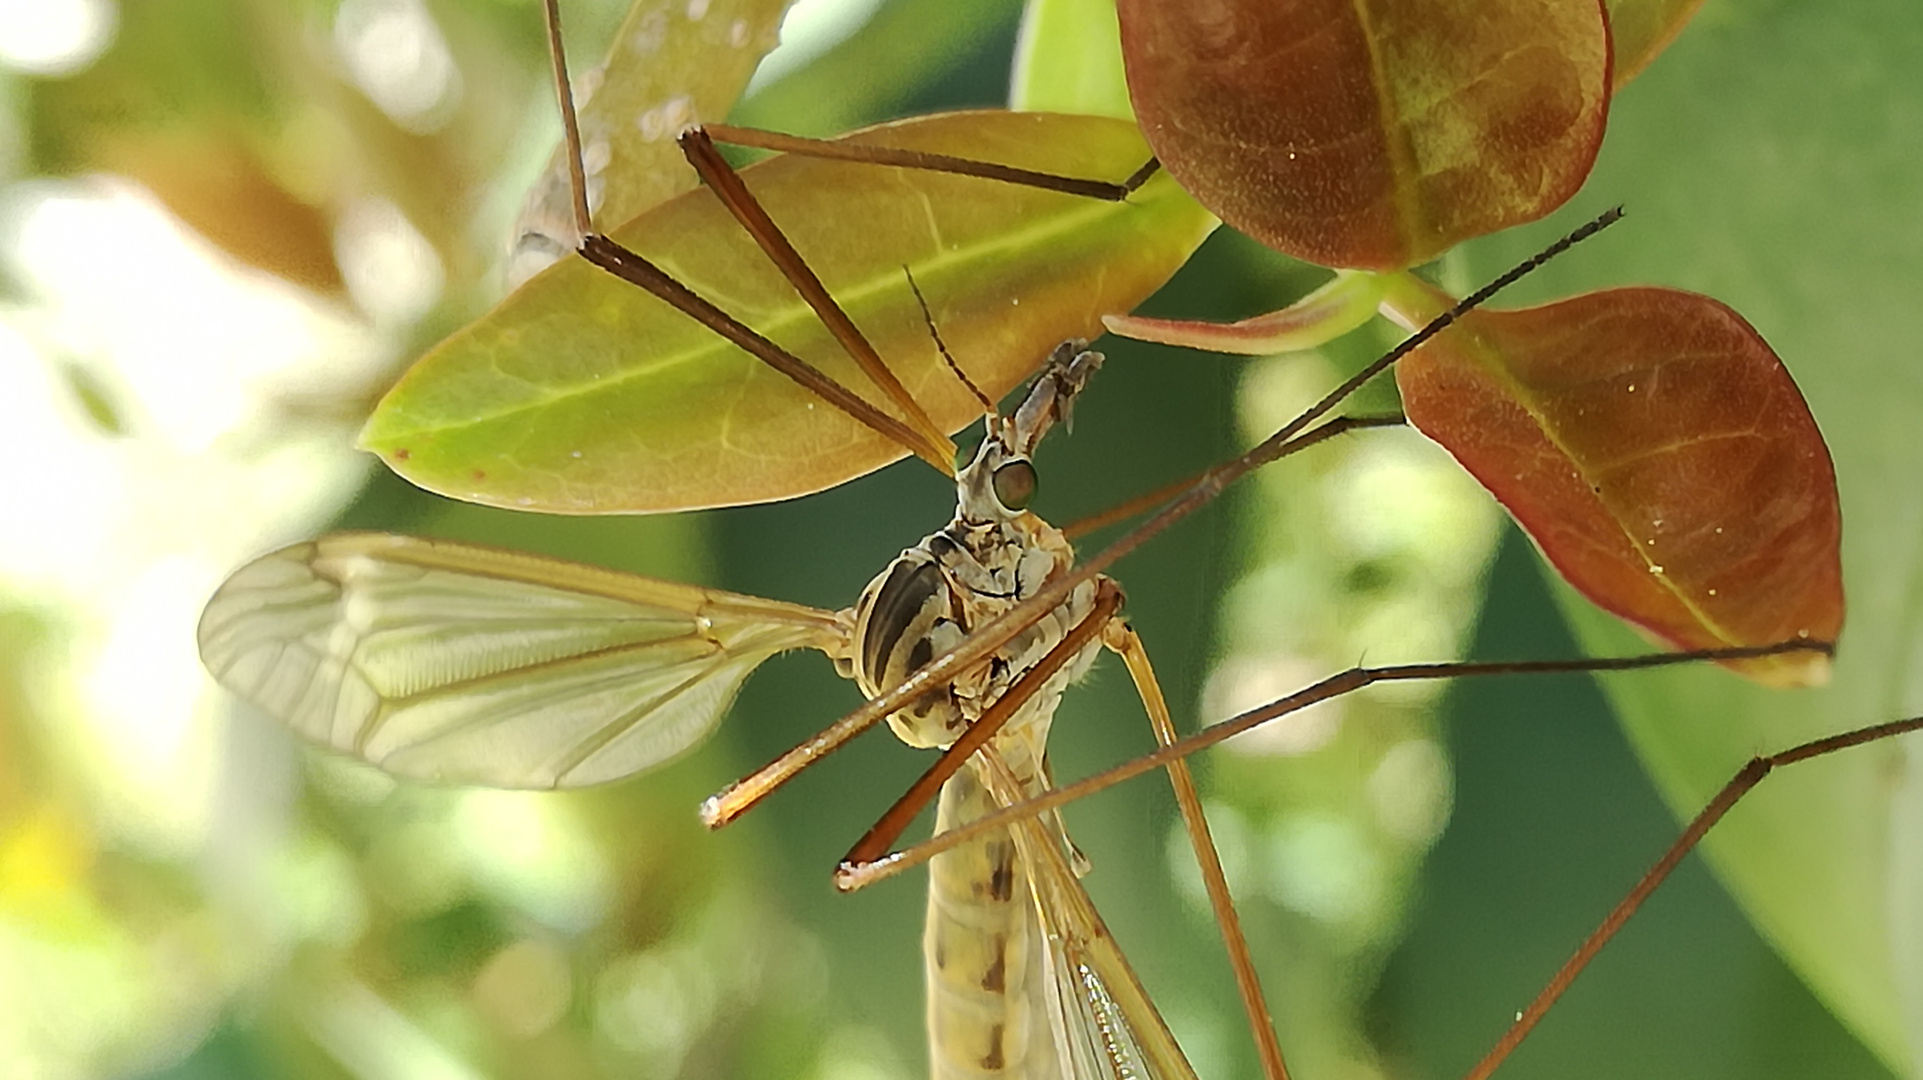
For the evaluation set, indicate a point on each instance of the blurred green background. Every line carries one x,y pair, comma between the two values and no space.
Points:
227,223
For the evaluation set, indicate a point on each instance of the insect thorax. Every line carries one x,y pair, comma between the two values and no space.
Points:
955,581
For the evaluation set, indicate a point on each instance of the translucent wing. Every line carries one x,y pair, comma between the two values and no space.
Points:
470,665
1104,1025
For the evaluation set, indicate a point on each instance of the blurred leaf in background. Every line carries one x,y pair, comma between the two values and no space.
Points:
1764,160
226,226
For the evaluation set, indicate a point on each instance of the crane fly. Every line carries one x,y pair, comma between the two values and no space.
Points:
464,664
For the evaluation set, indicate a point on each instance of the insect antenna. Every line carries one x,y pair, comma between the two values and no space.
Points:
928,318
729,803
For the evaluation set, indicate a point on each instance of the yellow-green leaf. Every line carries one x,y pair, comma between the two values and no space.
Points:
582,394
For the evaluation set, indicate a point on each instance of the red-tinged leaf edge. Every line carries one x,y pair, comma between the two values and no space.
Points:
1374,135
1660,456
1345,303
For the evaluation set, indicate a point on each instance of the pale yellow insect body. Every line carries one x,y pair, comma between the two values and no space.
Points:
462,664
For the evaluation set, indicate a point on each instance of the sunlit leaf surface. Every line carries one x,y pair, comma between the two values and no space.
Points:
1659,454
582,394
670,64
1373,135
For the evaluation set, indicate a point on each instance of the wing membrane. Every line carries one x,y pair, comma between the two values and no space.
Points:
1105,1025
1102,1020
469,665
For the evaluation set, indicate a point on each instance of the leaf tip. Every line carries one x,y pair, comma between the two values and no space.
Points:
1804,662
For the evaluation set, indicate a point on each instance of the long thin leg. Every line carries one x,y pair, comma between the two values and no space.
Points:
1122,639
570,123
869,850
734,800
727,185
1171,753
638,271
697,145
1143,503
1739,785
844,150
1334,686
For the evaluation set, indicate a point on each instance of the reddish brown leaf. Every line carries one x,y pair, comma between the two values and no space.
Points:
1372,134
1658,453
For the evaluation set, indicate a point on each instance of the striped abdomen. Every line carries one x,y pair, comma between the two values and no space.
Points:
984,1012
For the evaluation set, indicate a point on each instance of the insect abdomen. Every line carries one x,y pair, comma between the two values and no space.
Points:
980,943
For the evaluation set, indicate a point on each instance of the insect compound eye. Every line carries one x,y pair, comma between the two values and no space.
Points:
1015,484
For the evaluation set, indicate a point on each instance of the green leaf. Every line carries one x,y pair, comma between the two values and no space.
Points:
1755,162
1069,59
666,67
582,394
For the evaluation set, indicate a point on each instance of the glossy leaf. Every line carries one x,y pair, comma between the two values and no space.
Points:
582,394
1659,454
669,65
1373,135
